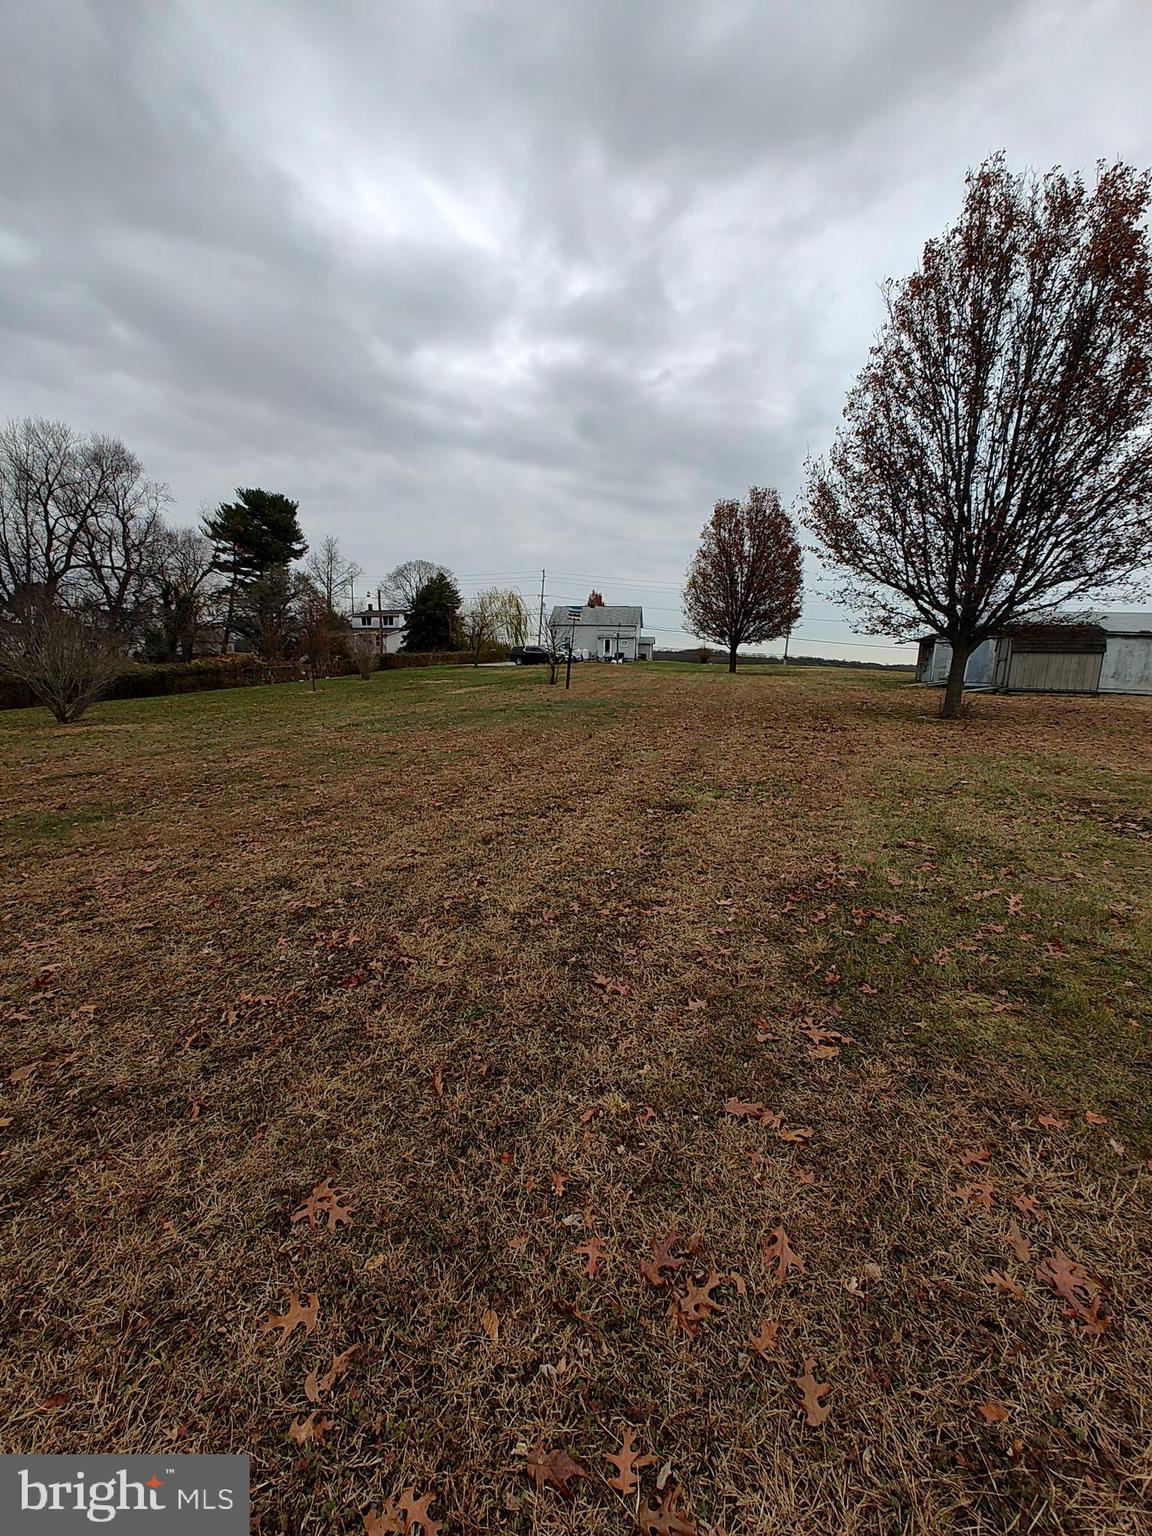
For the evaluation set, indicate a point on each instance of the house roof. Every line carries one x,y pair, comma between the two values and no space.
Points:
607,617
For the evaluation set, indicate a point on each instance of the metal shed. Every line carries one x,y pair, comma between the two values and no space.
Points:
1100,653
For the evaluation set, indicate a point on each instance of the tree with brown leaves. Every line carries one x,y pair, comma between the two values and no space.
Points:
995,461
746,579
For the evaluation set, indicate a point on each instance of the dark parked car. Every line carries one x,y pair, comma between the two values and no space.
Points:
528,655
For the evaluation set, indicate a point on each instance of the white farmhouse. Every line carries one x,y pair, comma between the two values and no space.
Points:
605,632
384,627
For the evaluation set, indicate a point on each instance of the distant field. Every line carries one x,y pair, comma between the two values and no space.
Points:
493,959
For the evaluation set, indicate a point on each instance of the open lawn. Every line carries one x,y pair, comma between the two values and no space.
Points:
493,960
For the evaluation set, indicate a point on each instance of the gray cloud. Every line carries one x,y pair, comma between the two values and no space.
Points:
504,284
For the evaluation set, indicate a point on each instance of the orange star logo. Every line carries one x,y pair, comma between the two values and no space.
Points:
154,1482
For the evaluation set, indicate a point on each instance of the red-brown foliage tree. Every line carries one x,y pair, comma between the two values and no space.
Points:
746,579
595,600
995,462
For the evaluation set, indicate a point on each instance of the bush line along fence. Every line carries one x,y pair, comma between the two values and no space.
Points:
144,680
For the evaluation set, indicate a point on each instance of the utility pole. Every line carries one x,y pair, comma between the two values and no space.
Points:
380,616
540,620
787,637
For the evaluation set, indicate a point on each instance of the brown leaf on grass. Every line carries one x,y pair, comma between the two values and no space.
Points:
976,1194
668,1518
743,1111
971,1159
1051,1122
22,1074
595,1253
325,1205
1069,1280
297,1316
1021,1247
389,1522
611,985
553,1467
805,1175
1093,1118
812,1392
992,1412
416,1515
823,1052
1026,1205
778,1250
663,1258
764,1342
311,1428
560,1182
317,1387
1003,1284
628,1461
490,1322
438,1082
697,1303
797,1137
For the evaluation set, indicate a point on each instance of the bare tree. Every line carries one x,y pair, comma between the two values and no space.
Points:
186,586
65,658
363,648
330,572
402,584
315,621
78,521
745,580
995,462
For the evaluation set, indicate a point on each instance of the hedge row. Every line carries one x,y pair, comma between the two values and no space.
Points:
439,658
145,680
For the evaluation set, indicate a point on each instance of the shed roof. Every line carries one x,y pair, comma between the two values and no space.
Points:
607,617
1124,623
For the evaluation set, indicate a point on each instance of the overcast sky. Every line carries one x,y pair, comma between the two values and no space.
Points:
506,285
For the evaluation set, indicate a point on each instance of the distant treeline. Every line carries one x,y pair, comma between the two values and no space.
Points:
720,658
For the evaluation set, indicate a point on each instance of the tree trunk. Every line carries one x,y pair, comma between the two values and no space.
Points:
954,692
731,658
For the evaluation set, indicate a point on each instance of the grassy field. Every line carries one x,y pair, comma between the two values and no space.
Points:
765,966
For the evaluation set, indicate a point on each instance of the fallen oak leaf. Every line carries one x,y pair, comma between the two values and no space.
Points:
743,1111
976,1194
311,1428
415,1512
764,1342
812,1392
389,1522
1021,1247
553,1467
317,1387
1051,1122
1026,1205
22,1074
1093,1118
697,1304
628,1461
596,1255
797,1137
1003,1284
667,1519
992,1412
778,1250
325,1204
663,1258
971,1159
297,1316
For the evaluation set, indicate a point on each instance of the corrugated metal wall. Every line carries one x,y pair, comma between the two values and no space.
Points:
1054,671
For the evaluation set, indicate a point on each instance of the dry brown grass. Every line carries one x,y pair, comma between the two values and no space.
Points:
258,941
